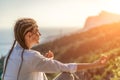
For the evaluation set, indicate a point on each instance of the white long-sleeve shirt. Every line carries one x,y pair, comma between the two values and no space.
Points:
34,65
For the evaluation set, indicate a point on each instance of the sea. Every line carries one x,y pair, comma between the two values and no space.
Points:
48,34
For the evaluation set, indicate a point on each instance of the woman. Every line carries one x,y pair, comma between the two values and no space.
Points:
22,63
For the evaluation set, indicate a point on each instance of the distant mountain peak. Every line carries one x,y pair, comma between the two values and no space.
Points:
102,18
106,13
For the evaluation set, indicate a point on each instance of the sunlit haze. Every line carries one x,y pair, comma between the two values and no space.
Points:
54,13
112,6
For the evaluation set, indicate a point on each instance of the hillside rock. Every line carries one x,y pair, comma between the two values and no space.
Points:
101,19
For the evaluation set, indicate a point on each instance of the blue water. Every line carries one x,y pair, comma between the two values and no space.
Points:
48,34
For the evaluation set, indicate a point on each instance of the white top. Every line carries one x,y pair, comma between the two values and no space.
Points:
34,65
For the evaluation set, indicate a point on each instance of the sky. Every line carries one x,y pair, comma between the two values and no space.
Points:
53,13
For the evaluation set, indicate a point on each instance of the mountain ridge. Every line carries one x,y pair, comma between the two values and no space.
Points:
102,18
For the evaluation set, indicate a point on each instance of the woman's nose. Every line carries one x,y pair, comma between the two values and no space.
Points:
39,33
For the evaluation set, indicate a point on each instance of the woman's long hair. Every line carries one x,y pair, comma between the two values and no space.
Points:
21,27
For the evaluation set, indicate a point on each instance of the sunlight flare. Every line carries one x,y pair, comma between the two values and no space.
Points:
112,6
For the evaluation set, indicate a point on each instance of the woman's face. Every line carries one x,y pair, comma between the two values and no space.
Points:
35,36
32,38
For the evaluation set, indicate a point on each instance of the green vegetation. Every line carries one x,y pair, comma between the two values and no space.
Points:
1,65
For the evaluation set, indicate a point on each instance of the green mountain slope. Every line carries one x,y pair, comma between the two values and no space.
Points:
88,46
95,41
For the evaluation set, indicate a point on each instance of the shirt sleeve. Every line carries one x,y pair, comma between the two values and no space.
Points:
42,64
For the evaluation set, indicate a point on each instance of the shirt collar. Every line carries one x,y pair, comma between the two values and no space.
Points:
18,46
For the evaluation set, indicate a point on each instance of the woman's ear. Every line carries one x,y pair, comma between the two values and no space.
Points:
28,35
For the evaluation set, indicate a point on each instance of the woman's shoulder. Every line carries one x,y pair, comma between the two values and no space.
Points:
32,53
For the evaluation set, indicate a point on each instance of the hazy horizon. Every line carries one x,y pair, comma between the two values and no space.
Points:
53,13
7,36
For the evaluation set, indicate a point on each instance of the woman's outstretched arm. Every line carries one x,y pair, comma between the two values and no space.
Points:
97,64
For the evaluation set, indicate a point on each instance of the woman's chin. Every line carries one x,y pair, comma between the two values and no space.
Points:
36,42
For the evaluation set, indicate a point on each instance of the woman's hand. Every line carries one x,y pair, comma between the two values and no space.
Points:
97,64
49,54
102,61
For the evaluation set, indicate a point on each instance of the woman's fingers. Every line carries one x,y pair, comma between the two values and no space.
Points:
103,59
49,54
101,62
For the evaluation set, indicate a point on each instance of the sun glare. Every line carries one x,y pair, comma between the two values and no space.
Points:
112,6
